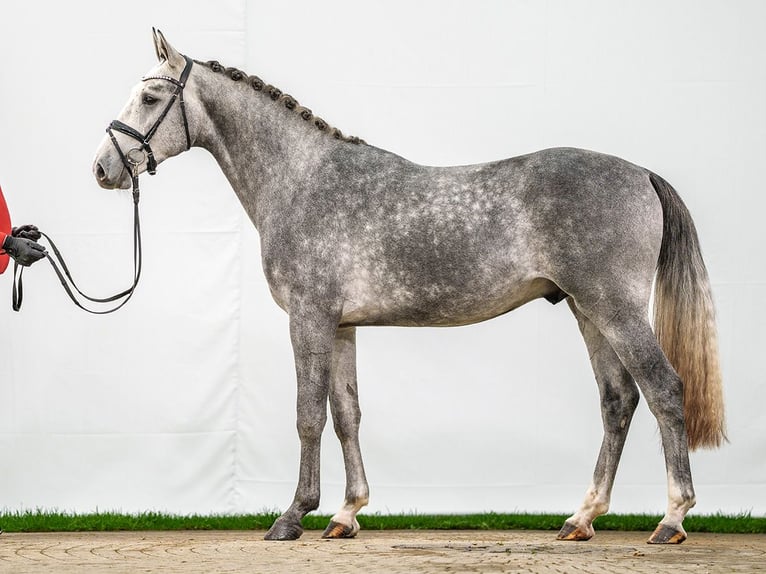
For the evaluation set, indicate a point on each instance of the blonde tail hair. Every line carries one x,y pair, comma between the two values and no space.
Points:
684,320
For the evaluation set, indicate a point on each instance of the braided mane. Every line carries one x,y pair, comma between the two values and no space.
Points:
277,96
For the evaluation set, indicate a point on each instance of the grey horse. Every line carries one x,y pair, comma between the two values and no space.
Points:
353,235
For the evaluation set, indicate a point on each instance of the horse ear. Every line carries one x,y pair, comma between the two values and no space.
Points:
165,52
156,43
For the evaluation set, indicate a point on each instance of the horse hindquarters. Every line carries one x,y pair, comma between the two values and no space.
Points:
685,328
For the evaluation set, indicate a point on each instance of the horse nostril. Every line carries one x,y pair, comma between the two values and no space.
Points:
100,173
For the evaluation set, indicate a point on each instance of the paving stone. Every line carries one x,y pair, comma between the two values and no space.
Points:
389,552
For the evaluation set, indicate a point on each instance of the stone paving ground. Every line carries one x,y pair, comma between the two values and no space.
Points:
374,551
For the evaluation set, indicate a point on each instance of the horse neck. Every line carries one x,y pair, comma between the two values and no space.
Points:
261,147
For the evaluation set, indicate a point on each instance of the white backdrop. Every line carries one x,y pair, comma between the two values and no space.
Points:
184,400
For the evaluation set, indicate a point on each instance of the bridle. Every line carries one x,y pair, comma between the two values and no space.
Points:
178,93
131,159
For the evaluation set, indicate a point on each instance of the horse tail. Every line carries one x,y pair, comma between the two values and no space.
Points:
684,320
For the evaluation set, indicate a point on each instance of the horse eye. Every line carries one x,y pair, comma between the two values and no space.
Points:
148,100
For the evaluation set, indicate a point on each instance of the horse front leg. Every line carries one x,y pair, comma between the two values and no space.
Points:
346,415
312,334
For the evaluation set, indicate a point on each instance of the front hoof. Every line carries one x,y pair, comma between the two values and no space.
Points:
573,532
665,534
338,530
284,530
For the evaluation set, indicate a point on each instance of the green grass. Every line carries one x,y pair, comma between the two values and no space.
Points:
44,521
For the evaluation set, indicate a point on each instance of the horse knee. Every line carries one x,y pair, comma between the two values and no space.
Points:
346,414
311,425
306,502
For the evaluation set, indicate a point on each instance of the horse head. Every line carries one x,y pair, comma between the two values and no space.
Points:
156,120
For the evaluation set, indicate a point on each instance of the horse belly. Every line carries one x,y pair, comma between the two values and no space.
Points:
440,270
437,304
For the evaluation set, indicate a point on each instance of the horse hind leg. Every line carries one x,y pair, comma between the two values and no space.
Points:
619,398
630,335
346,415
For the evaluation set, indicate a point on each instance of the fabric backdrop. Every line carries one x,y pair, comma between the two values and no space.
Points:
184,401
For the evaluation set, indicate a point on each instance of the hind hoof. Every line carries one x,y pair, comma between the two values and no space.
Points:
665,534
337,530
573,532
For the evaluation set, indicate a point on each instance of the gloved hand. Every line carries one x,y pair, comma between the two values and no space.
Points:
27,232
24,251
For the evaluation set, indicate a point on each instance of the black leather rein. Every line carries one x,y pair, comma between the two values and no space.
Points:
65,276
131,160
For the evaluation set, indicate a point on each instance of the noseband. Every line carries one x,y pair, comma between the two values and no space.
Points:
117,125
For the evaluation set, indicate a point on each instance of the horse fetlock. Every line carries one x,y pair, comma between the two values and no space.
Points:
305,503
344,523
681,499
596,504
599,508
357,496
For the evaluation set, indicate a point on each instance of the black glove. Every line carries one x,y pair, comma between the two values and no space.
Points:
24,251
27,232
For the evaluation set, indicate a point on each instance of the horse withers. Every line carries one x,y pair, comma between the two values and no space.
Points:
353,235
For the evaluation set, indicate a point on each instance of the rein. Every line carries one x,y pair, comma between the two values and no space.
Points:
65,276
132,160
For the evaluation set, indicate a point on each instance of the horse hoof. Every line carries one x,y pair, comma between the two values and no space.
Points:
338,530
283,530
665,534
573,532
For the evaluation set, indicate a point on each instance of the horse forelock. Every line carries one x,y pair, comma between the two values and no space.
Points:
280,98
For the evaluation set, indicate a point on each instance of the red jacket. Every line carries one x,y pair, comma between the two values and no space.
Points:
5,230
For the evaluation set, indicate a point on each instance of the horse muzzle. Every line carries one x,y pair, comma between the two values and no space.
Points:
111,173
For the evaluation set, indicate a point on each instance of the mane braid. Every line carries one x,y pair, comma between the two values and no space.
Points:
280,98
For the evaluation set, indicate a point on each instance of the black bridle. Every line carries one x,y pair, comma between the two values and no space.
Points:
132,160
178,93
